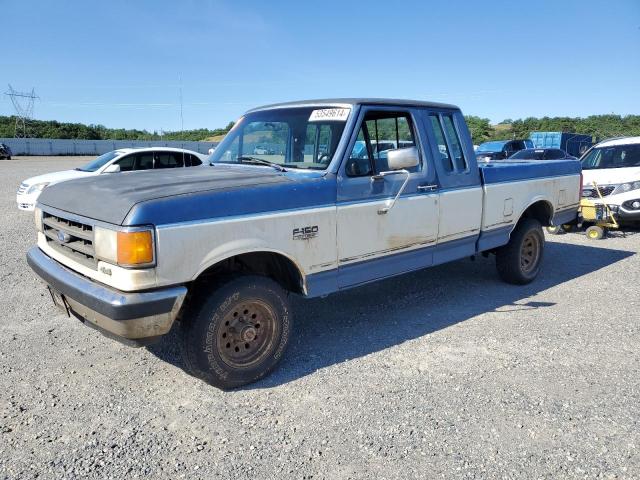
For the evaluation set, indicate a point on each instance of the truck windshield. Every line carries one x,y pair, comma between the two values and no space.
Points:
618,156
99,162
297,137
490,147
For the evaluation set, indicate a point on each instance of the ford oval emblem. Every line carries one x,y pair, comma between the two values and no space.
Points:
63,237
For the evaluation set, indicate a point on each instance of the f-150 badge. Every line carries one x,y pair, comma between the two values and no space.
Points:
305,233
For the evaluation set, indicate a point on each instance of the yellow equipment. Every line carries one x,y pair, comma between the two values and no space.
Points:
599,216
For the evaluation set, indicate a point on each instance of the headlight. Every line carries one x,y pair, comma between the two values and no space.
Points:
127,248
626,187
38,218
38,187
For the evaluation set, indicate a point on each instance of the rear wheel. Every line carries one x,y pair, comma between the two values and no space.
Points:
237,334
555,229
519,261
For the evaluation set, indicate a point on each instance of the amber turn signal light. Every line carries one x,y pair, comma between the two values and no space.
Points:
135,248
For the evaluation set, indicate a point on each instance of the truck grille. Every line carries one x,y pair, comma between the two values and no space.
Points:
590,192
22,188
70,238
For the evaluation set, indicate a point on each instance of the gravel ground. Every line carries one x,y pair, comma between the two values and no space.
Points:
445,373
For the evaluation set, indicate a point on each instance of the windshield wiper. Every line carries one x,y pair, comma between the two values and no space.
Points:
260,161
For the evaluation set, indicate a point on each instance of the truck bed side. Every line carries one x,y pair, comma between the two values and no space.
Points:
510,188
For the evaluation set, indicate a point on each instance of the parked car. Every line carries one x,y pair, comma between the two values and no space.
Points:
221,249
122,160
500,149
259,150
5,151
611,170
542,154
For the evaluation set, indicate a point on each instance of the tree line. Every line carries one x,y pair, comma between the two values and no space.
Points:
598,126
80,131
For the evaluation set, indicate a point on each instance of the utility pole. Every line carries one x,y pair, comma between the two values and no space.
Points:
181,116
23,104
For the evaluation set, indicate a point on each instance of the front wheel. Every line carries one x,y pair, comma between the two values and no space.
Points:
519,261
238,333
594,232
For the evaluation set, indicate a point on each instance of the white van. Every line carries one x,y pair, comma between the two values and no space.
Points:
613,166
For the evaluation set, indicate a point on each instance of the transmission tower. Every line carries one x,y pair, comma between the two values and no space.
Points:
23,103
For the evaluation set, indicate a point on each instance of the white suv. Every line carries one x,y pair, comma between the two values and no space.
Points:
123,160
614,167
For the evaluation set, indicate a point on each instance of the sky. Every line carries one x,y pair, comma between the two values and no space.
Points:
123,64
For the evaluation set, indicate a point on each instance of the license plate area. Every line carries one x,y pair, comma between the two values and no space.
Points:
59,301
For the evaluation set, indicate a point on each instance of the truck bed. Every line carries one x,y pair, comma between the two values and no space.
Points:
510,187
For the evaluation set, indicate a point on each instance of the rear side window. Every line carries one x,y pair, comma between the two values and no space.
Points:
193,161
459,162
443,149
169,160
144,161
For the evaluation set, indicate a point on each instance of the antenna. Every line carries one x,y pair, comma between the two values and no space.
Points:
23,104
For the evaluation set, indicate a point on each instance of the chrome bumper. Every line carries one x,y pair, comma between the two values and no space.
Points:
125,315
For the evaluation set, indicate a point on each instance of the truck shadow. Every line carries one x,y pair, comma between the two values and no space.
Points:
374,317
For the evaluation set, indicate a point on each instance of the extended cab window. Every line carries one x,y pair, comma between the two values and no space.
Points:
459,162
380,132
451,152
443,149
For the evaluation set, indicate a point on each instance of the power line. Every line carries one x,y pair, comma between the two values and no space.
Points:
23,104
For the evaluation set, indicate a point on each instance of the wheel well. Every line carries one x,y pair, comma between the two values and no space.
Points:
268,264
541,211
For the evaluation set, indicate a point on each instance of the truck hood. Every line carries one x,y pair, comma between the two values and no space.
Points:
110,198
56,177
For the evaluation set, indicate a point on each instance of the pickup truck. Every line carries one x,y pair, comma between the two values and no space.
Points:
218,250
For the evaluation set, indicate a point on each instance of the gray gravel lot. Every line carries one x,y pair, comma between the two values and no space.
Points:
445,373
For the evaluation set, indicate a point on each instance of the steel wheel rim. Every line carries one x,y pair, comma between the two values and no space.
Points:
246,333
529,253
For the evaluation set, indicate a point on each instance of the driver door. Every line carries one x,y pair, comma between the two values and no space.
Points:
372,244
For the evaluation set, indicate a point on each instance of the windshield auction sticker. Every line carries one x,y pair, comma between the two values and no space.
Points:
330,114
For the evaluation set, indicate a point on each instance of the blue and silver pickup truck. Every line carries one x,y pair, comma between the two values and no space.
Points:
309,198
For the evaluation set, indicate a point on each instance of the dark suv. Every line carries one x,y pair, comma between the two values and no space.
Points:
500,149
5,151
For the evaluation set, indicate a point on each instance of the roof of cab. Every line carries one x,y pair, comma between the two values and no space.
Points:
348,102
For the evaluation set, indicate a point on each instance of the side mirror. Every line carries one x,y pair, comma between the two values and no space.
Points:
113,168
402,158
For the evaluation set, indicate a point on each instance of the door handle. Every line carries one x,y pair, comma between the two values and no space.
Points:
427,188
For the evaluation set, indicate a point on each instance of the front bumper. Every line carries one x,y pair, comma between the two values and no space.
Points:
134,316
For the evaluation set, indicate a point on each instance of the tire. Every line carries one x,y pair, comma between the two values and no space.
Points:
555,230
518,262
238,333
595,232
